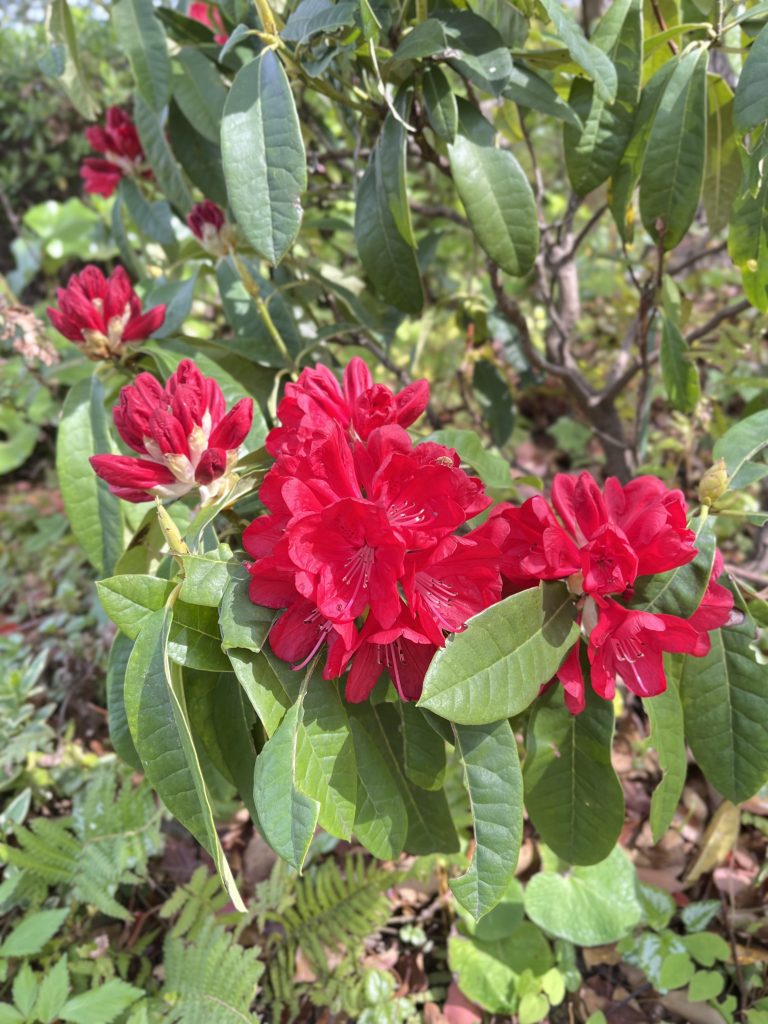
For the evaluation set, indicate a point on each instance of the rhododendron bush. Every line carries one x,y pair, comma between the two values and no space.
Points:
333,587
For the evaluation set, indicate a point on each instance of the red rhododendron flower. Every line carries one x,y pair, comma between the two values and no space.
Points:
183,429
119,141
716,604
103,314
208,224
210,16
362,518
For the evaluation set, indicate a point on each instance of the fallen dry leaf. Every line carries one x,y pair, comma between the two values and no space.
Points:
717,842
458,1009
695,1013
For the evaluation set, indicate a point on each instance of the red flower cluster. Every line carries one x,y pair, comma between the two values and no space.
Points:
210,16
208,224
183,429
103,314
123,156
360,547
601,544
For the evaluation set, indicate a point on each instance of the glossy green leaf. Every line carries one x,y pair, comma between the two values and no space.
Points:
199,92
750,103
424,749
440,103
665,714
94,514
678,372
590,906
673,169
160,157
263,155
740,446
61,32
748,231
383,230
248,325
528,89
488,754
177,297
157,717
597,64
381,822
241,622
492,469
287,818
195,640
430,827
724,697
426,39
153,219
269,684
492,391
496,667
476,50
143,38
571,790
130,600
499,203
722,175
205,577
119,733
593,153
679,591
314,16
200,158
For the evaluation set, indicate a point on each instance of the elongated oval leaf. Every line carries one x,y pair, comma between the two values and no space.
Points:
199,92
571,790
381,822
597,64
724,700
263,155
748,232
673,169
750,105
496,667
119,732
168,173
723,171
665,713
94,513
499,203
143,37
157,718
740,445
440,103
494,781
679,374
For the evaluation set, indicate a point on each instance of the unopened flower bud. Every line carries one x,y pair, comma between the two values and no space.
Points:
208,224
170,531
714,483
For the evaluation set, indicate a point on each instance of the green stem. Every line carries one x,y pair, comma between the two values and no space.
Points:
252,287
266,17
421,11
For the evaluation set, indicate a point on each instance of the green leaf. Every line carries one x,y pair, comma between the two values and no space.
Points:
130,600
705,985
425,40
750,103
253,340
673,169
199,92
489,971
287,818
263,155
496,667
499,203
492,391
493,778
25,989
665,714
678,372
722,176
157,718
676,971
10,1015
101,1005
597,64
527,89
314,16
152,219
205,577
424,749
696,916
167,172
265,683
177,298
383,230
679,591
430,827
61,32
32,933
707,948
94,513
476,50
593,153
590,906
381,822
195,640
748,231
143,38
54,989
119,732
241,622
740,445
492,469
724,697
571,790
200,158
658,906
440,103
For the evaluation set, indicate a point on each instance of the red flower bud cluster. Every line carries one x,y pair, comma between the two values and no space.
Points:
103,314
361,547
210,16
123,154
188,439
602,543
208,224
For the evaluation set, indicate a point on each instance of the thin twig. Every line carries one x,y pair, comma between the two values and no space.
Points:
662,24
425,210
717,319
566,257
678,268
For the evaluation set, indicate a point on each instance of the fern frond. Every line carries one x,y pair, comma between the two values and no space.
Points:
196,902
